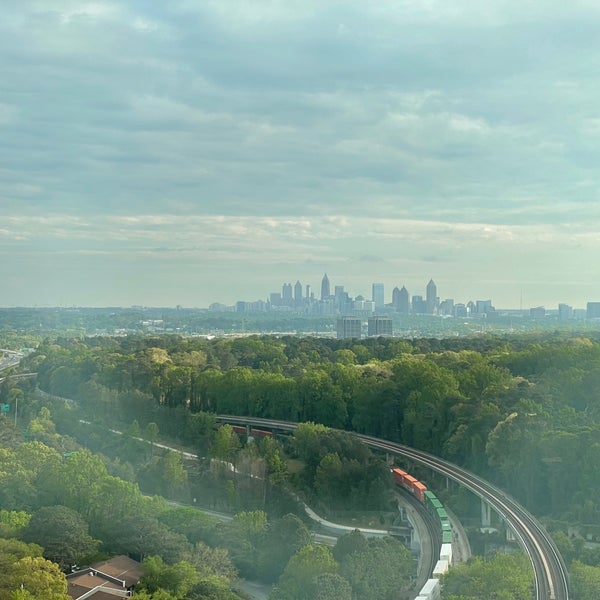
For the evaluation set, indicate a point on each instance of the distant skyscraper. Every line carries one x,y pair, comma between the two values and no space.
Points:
404,301
287,297
419,306
396,298
593,310
431,297
537,312
483,307
325,289
298,293
378,295
565,312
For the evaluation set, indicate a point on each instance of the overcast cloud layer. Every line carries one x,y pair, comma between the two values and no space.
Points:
191,151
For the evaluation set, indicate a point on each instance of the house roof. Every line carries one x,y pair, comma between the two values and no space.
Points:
122,567
104,580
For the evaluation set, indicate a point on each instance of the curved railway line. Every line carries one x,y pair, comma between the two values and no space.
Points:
550,572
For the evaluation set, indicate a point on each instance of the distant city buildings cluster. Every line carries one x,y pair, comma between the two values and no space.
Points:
334,301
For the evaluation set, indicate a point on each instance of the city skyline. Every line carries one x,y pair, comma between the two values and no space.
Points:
185,153
399,298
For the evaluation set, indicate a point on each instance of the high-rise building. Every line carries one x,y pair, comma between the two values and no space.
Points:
565,312
484,307
379,326
431,297
403,301
593,310
348,327
419,306
325,289
298,293
287,298
378,295
446,307
275,299
537,312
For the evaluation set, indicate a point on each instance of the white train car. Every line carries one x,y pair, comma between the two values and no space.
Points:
446,553
441,568
431,590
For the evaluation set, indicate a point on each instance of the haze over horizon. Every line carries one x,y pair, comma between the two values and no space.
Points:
196,152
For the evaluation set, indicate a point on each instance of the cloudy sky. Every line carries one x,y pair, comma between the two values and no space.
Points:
194,151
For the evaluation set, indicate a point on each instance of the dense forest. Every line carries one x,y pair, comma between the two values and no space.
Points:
523,411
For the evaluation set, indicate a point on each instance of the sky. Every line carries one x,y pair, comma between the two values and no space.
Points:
198,151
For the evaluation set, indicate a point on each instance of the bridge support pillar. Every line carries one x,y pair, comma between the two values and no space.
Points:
248,431
486,514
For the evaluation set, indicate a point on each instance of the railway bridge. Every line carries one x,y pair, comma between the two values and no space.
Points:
550,571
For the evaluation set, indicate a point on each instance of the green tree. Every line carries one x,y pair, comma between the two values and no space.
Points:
282,539
300,579
63,533
331,586
585,581
379,571
151,434
506,576
12,550
226,444
42,578
178,579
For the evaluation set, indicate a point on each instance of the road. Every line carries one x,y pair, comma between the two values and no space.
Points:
551,575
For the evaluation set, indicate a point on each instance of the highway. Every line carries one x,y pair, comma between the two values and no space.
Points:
550,571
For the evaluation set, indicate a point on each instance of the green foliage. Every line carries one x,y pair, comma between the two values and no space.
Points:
12,522
379,570
42,579
585,581
506,576
340,470
281,540
165,475
177,579
300,580
12,550
63,533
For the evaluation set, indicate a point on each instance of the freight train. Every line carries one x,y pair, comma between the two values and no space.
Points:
431,590
241,430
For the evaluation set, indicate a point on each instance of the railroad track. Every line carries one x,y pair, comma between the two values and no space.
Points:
550,572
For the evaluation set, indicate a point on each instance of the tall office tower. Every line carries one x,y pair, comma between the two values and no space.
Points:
298,293
446,307
379,326
287,298
419,306
396,298
483,307
404,302
565,312
325,289
308,291
378,295
275,299
348,327
593,310
431,297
